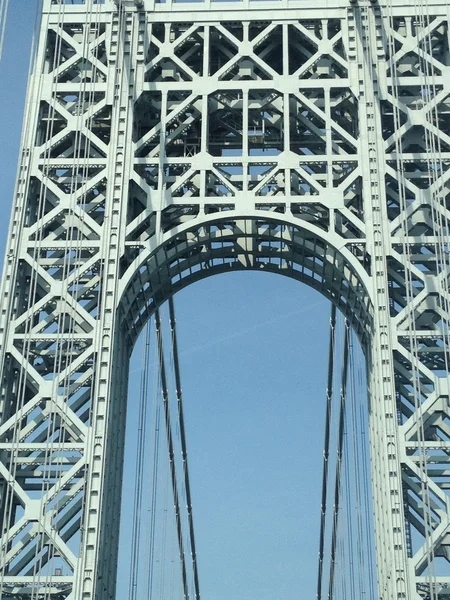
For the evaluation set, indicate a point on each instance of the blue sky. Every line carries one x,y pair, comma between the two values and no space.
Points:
253,351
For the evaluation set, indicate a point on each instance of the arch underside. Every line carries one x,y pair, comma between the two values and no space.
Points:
236,242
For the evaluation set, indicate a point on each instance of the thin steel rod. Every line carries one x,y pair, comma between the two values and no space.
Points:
183,446
173,472
340,443
326,450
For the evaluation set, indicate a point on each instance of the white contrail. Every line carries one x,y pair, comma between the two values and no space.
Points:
236,334
3,15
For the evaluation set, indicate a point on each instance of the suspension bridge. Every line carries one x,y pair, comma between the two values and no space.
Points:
166,142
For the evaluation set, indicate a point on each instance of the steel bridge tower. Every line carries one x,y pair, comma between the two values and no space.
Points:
166,142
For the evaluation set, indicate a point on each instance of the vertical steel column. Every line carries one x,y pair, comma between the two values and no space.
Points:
98,561
394,579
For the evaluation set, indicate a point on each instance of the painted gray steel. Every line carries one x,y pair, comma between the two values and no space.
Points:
167,142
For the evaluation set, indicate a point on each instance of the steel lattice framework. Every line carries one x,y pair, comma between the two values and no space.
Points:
164,143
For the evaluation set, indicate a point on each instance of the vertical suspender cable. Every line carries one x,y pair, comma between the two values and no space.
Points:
40,546
326,450
183,446
74,252
362,555
151,541
340,443
8,500
140,453
165,393
437,202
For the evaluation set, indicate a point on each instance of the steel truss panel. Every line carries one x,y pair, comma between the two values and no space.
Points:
166,142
